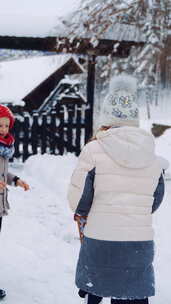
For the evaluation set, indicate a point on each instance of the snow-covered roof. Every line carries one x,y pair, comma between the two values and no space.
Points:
124,32
19,77
117,32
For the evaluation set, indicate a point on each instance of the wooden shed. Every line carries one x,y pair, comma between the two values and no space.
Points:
35,99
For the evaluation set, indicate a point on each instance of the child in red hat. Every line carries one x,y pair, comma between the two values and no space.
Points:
6,151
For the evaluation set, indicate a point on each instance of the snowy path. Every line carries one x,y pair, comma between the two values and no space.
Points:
39,246
39,239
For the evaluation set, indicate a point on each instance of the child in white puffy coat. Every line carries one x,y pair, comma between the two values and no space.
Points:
117,184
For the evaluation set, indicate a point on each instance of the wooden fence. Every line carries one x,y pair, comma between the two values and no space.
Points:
64,129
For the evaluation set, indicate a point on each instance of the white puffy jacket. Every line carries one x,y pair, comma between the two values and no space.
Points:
127,174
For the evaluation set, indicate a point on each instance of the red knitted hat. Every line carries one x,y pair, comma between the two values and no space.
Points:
6,112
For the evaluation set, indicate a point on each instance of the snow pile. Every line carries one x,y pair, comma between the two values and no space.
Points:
52,172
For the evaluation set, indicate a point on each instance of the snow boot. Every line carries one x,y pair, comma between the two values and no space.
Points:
92,299
136,301
82,293
2,294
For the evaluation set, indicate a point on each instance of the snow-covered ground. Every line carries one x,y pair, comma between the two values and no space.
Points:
39,240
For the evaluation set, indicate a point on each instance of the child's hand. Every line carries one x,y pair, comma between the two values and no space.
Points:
2,185
22,184
81,221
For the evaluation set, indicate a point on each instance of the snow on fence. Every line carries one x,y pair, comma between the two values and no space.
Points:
64,129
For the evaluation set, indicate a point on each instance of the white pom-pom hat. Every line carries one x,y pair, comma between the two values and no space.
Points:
120,106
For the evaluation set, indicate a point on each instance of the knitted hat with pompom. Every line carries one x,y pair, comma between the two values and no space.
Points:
120,106
6,112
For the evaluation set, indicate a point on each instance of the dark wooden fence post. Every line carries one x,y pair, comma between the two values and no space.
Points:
26,130
69,132
90,94
53,139
34,133
78,133
17,130
61,131
87,129
44,134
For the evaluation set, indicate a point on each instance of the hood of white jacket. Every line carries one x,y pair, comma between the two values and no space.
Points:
130,147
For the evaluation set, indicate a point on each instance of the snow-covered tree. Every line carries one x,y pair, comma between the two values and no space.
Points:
96,18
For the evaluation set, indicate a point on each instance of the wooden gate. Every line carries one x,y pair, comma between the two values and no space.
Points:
65,129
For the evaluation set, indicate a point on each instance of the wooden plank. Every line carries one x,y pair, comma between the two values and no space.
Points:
69,131
44,134
25,140
87,121
53,139
16,131
78,133
77,46
34,134
61,131
90,92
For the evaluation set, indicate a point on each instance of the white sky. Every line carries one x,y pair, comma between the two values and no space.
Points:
37,7
33,17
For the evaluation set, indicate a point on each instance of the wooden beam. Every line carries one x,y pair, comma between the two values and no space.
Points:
90,95
64,45
28,43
